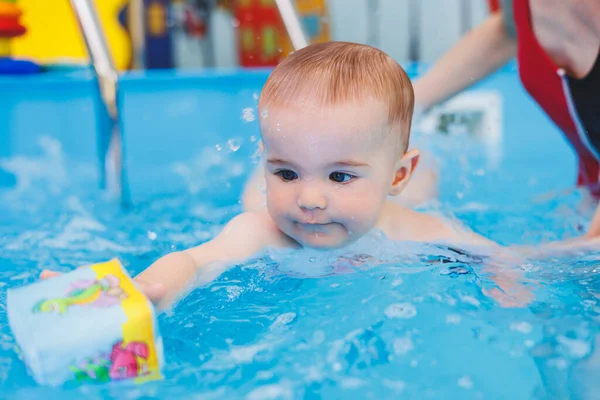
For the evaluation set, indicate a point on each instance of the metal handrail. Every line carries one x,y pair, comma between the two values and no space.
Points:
137,30
293,24
112,174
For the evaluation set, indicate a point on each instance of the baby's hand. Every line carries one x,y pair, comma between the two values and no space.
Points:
511,293
154,291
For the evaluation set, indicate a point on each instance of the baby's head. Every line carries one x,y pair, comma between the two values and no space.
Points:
335,120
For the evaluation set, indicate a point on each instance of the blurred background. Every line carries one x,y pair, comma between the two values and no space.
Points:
247,33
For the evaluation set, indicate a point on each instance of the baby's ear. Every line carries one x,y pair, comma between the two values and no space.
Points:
403,170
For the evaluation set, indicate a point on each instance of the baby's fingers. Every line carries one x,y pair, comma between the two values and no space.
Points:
155,291
46,274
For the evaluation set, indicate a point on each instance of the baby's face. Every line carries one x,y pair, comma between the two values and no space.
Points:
328,171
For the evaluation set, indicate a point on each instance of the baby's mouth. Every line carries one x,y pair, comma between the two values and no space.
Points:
313,227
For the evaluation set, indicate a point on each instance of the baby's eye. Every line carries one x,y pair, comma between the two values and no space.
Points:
287,175
341,177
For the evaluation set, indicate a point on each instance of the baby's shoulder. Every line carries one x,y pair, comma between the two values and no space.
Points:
401,223
257,226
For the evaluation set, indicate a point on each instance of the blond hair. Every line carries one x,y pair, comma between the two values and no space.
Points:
333,73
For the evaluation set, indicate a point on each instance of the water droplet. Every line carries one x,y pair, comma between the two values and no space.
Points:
218,147
248,114
253,139
264,113
312,259
152,235
233,145
255,96
278,127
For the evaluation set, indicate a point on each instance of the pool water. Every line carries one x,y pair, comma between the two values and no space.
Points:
412,322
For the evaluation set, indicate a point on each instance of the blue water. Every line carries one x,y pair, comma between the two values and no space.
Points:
413,322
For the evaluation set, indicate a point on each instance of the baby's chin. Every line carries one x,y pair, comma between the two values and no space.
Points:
322,242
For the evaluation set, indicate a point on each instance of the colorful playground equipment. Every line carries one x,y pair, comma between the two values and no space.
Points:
11,27
262,37
54,37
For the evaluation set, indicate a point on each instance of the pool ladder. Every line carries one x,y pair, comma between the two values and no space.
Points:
113,174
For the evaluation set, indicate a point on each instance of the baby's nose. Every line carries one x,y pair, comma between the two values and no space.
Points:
312,198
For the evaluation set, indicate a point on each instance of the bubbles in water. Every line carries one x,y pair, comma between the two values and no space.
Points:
523,327
218,147
453,319
273,391
403,345
318,337
248,114
152,235
233,144
253,138
255,96
401,310
278,127
465,383
284,319
264,113
312,259
470,300
575,347
397,386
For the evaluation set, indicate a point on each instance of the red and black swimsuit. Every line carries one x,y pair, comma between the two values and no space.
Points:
573,104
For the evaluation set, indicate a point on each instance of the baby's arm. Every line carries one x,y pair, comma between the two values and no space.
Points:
404,224
594,230
510,290
173,275
243,237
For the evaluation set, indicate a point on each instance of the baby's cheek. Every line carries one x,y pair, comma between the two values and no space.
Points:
279,199
363,207
358,208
